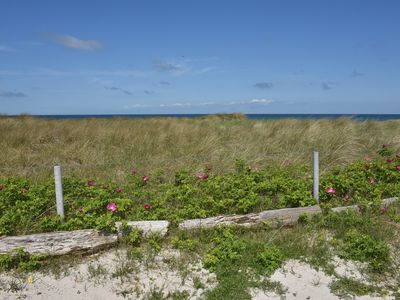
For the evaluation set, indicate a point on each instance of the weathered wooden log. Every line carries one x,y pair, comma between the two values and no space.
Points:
285,216
63,242
57,243
160,227
356,208
388,201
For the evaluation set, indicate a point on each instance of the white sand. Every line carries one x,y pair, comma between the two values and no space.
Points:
299,280
145,277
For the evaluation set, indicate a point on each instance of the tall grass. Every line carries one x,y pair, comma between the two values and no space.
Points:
109,148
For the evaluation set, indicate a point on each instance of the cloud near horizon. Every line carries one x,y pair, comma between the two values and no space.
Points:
74,42
114,88
261,101
202,104
171,67
7,94
263,85
180,67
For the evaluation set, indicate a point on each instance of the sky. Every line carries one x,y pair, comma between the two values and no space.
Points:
187,56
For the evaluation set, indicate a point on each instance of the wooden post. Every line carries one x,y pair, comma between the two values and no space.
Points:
59,191
316,176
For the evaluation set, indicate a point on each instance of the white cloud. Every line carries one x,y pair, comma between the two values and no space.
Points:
162,105
93,73
261,101
73,42
199,104
180,67
172,67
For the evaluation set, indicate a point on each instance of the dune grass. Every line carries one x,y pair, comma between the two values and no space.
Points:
109,148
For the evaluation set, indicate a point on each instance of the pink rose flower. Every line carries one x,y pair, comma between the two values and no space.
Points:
202,176
398,167
90,183
118,190
330,190
147,206
371,180
145,178
389,160
112,206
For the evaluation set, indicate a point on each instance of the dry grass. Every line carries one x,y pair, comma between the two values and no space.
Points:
109,148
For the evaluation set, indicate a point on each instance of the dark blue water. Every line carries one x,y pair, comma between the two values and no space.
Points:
359,117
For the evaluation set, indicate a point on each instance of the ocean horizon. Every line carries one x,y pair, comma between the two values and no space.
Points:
359,117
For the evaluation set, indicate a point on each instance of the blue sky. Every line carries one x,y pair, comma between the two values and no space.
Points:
135,57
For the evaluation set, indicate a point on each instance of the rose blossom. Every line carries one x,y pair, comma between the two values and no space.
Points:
112,206
202,176
330,190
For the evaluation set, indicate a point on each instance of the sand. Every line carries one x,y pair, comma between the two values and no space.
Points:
111,275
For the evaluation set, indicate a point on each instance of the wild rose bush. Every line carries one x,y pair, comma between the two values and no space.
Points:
89,203
363,181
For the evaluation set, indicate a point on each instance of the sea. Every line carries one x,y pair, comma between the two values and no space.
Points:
358,117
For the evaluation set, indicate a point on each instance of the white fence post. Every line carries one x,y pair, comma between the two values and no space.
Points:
316,176
59,191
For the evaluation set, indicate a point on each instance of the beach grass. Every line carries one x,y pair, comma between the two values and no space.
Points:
110,148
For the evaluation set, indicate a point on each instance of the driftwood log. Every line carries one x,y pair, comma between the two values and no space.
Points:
63,242
160,227
384,203
285,216
57,243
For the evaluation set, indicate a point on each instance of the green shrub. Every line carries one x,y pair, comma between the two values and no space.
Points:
135,237
26,207
21,260
226,249
184,242
270,259
362,247
154,240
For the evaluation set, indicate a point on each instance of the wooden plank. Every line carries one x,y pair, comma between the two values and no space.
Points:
57,243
